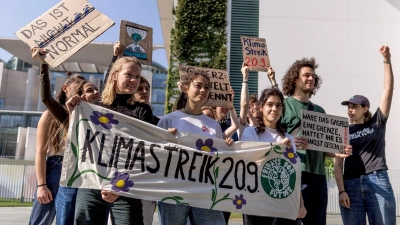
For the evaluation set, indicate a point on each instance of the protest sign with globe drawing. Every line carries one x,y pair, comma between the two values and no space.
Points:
138,41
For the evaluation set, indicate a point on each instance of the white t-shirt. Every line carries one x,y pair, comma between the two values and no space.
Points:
241,129
200,124
269,135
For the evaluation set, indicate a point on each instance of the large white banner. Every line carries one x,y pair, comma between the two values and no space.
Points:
110,151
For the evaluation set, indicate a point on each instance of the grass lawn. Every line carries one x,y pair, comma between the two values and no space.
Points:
236,216
14,203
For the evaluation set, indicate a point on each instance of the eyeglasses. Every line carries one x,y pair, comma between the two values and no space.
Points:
140,88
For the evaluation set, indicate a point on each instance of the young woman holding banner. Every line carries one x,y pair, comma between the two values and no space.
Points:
51,200
364,186
188,117
270,129
118,95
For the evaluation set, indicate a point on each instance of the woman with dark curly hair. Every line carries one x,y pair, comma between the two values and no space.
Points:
299,84
269,128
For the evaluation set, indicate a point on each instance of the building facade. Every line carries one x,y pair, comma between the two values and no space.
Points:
21,106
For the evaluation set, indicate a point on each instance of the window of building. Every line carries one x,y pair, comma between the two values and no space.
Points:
159,80
158,109
2,101
33,121
158,96
11,120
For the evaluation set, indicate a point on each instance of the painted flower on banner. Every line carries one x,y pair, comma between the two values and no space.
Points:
105,120
121,182
291,155
239,201
207,146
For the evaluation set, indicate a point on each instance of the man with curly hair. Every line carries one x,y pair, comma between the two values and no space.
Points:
299,84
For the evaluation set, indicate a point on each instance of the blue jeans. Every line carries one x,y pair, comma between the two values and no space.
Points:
370,194
171,214
65,205
44,214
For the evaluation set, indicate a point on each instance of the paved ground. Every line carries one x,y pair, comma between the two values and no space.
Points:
20,216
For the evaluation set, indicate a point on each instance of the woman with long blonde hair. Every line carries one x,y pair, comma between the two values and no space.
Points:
118,95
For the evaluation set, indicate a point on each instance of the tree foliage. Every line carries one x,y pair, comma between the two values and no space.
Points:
197,39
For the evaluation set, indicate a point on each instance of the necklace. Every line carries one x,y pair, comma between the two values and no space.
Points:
184,109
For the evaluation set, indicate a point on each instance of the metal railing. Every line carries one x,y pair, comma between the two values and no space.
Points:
17,179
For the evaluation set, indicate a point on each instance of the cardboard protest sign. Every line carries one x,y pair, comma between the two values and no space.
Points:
107,150
325,133
138,41
255,53
65,29
220,94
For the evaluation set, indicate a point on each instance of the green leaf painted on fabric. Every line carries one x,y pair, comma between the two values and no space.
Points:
178,197
213,195
74,151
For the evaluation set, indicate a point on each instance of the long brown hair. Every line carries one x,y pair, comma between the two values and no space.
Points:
186,81
265,94
55,138
367,114
108,95
289,81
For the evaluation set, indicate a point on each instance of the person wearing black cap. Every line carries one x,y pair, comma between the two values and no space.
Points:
364,186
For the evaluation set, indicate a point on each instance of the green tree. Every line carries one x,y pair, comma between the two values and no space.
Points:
197,39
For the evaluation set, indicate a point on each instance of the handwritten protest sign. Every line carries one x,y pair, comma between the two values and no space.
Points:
65,29
255,53
110,151
325,133
220,94
138,41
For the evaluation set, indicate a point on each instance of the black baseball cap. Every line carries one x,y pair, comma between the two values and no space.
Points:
357,99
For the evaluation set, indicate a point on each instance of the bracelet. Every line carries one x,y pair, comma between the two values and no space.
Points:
275,85
245,81
41,185
387,61
342,192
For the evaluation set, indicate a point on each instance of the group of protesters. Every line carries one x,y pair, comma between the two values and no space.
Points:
360,170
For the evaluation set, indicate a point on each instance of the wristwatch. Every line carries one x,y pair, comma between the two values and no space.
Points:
387,61
275,85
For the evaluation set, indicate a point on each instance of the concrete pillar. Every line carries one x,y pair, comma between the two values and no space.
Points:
32,90
30,143
21,139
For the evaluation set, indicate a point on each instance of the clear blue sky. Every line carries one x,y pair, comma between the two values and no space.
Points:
15,14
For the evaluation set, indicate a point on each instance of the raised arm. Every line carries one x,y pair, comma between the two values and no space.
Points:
234,124
55,108
388,82
271,76
244,95
118,49
234,121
